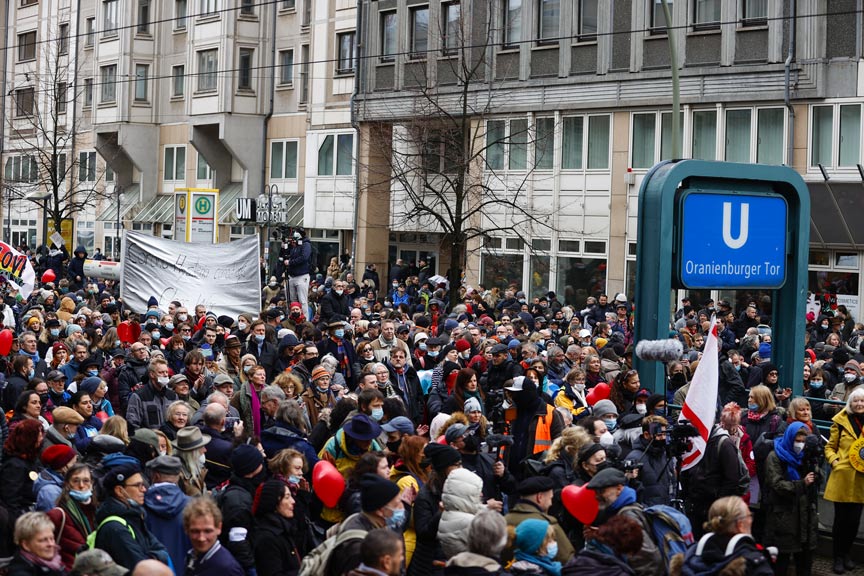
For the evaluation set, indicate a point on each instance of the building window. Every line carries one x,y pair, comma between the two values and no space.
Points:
598,142
388,36
178,80
24,102
27,46
244,77
304,73
850,135
706,13
338,148
544,138
738,135
208,60
495,144
143,16
518,145
109,173
451,27
705,135
512,23
88,92
87,166
587,26
209,7
644,140
571,146
419,32
286,67
29,3
247,7
60,167
63,39
21,169
141,73
203,170
769,136
658,16
754,12
109,18
108,80
89,32
288,4
61,97
822,135
174,165
179,14
283,160
548,19
347,46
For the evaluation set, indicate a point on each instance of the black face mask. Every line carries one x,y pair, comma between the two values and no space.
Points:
677,380
310,363
394,446
43,398
472,443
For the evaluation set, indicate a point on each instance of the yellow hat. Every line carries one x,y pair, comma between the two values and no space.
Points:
600,343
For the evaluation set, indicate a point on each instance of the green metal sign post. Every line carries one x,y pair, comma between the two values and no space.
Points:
721,225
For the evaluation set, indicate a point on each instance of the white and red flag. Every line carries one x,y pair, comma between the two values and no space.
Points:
700,407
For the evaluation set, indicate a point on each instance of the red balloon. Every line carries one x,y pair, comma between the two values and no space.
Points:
599,392
48,276
124,331
581,502
6,338
327,483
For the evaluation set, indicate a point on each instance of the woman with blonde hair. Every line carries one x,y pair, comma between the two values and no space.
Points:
116,426
562,455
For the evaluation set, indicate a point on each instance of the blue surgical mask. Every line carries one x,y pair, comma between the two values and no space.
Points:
156,334
396,520
737,367
432,353
295,480
753,407
93,372
816,384
259,338
552,549
31,373
660,412
117,343
186,337
377,414
55,332
81,495
612,424
423,346
169,326
339,333
248,369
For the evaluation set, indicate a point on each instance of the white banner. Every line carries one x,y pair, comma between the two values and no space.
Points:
16,268
223,277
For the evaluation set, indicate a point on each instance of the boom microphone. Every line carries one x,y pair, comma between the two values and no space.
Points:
667,350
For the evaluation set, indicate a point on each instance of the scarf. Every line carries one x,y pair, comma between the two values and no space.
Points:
343,358
476,394
256,410
755,416
79,517
35,356
786,453
55,564
550,566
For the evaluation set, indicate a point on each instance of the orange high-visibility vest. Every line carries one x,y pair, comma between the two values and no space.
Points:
543,434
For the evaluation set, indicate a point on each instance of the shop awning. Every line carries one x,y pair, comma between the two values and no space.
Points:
834,210
158,210
227,202
128,200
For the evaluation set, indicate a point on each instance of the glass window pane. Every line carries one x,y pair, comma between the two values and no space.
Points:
587,17
277,159
325,157
180,158
666,134
572,146
707,11
823,117
168,163
738,135
545,143
419,32
290,159
518,144
344,154
705,135
550,16
202,168
513,19
579,278
658,16
755,9
850,135
388,35
643,140
500,271
769,136
539,284
495,144
598,142
452,30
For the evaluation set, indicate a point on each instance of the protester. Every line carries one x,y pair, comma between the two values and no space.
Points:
37,554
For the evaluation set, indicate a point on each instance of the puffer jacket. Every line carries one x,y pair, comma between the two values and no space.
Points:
165,503
462,500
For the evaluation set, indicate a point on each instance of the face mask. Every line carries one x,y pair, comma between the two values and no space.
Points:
163,453
552,549
660,412
272,284
850,377
117,343
297,236
310,363
339,333
606,439
259,338
394,446
753,407
55,332
641,409
395,285
186,337
43,398
465,355
432,353
156,334
612,424
242,326
338,292
798,447
93,372
423,346
738,368
295,315
824,326
579,387
295,480
816,384
163,380
169,326
395,521
202,459
82,496
183,317
247,369
377,414
31,373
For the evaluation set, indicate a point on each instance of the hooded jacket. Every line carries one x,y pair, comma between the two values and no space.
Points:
164,503
47,489
461,499
76,266
117,540
471,564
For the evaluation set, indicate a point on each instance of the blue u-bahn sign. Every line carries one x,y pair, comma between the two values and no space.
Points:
732,240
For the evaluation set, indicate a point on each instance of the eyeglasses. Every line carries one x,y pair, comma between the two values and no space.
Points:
138,485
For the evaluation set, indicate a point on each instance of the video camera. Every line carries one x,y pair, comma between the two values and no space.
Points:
494,443
679,436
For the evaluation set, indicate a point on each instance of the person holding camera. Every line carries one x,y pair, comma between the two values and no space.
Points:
658,468
792,473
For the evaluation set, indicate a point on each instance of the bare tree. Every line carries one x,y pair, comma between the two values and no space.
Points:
42,165
445,166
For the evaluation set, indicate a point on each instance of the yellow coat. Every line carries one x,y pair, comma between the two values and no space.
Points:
404,480
845,484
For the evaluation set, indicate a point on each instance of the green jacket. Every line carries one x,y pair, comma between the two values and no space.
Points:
791,520
524,510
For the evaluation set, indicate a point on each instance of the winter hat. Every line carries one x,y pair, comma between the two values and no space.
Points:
600,342
59,346
653,400
440,456
514,343
853,365
117,475
603,407
57,456
472,405
267,497
66,415
765,350
376,492
246,459
152,302
530,535
462,345
72,329
90,384
319,372
450,324
810,354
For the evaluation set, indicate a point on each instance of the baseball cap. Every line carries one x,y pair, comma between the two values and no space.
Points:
399,424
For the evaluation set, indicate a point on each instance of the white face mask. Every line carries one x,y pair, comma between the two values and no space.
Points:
163,380
241,326
798,447
606,439
641,408
579,387
202,459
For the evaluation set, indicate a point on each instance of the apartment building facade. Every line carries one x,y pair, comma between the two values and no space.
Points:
572,105
249,98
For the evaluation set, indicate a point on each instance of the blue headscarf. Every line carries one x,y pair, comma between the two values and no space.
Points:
786,452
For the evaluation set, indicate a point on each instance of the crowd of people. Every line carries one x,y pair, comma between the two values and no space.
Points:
367,431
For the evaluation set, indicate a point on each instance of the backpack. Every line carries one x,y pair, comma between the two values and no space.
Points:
693,563
91,538
315,562
669,528
763,446
696,480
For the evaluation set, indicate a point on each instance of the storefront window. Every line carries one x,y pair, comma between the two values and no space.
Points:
579,278
501,270
539,284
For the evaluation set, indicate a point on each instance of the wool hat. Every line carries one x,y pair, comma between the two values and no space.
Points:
57,456
606,478
246,459
97,562
440,456
225,321
462,345
52,323
399,424
853,365
600,342
472,405
54,348
421,336
152,302
376,492
535,485
450,324
66,415
514,343
362,428
765,350
90,384
165,465
454,432
118,474
530,535
267,497
653,400
319,372
604,406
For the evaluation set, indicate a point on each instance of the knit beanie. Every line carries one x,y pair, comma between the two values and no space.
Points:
530,535
90,384
319,372
605,406
472,405
57,456
376,492
245,459
765,350
853,365
267,497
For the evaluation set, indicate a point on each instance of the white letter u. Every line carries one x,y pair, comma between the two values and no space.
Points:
738,242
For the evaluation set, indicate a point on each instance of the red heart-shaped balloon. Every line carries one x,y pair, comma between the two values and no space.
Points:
48,276
6,338
580,502
327,483
599,392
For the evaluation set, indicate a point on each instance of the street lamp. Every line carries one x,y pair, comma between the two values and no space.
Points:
270,190
118,190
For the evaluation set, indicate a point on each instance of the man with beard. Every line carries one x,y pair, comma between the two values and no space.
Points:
535,423
615,497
